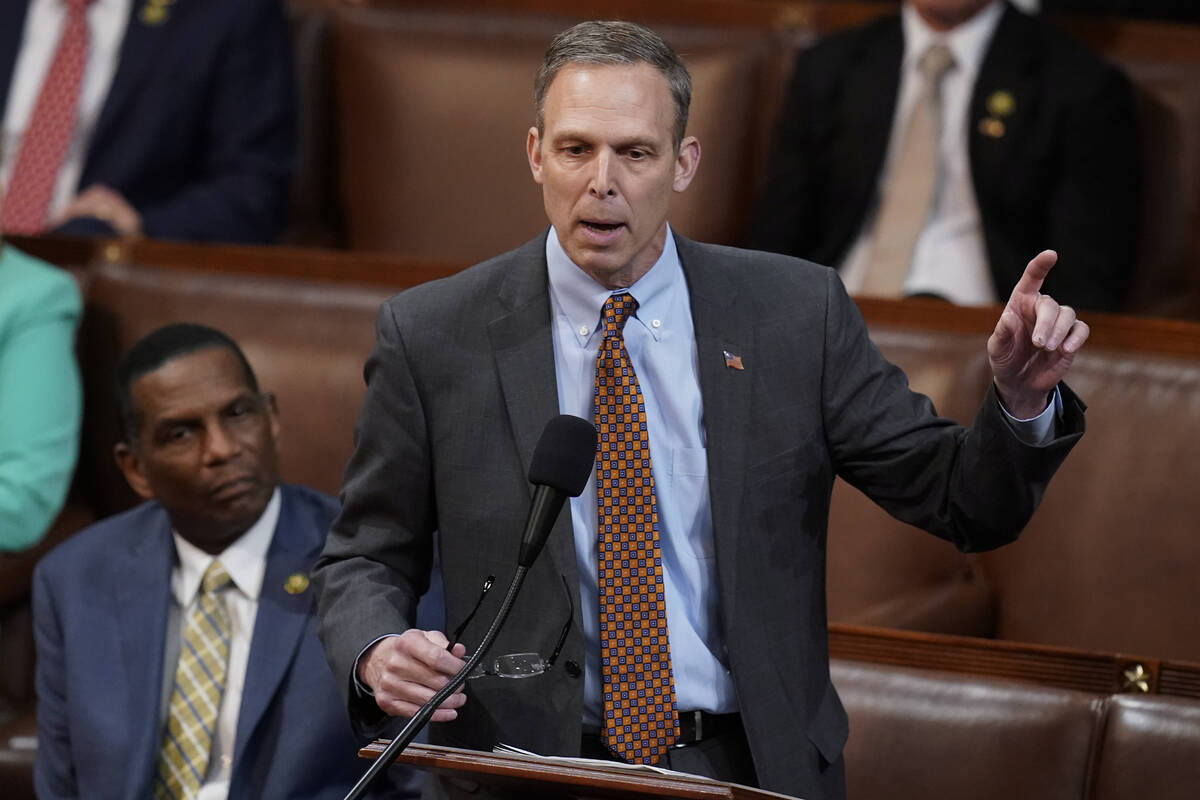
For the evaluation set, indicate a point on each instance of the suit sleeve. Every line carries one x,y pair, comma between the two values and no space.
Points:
377,557
53,771
40,395
1095,198
976,487
247,162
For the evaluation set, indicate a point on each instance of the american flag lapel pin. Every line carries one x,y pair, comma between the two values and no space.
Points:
733,361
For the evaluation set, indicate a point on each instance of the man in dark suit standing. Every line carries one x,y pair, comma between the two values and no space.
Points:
684,595
929,153
171,119
177,651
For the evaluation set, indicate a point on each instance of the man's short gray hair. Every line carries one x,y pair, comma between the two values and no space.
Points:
614,43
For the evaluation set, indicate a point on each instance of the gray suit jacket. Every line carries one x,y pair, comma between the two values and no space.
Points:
459,386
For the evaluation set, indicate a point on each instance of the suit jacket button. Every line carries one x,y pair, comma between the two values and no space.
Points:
572,669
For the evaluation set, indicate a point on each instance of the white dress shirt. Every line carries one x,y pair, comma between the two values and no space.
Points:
107,21
950,257
246,562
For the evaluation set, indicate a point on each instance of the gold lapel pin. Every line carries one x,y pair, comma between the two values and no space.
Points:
1001,103
990,126
296,583
154,12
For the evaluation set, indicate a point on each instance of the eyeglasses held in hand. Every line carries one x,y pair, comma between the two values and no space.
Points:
516,665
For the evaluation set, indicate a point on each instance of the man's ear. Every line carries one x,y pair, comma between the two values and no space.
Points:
687,161
533,150
130,465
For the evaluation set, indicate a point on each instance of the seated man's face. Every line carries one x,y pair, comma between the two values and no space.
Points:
205,448
607,163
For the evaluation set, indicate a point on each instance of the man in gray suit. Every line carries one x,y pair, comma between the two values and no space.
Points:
749,384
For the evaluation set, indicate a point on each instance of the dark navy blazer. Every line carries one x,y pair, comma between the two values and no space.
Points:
198,129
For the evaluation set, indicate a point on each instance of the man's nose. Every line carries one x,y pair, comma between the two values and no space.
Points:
220,444
602,184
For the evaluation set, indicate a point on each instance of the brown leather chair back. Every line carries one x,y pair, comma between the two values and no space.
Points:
1149,750
1109,560
921,734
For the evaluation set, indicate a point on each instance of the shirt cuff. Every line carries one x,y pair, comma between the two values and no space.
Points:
360,687
1041,429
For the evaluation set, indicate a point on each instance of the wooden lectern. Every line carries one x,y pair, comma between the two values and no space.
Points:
520,776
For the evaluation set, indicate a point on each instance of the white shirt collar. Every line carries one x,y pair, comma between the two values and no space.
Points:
245,560
581,299
968,42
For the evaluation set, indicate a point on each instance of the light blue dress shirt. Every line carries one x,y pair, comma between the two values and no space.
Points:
662,346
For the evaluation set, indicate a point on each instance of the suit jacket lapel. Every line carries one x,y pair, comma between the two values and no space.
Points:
524,352
12,29
142,579
281,619
143,39
726,393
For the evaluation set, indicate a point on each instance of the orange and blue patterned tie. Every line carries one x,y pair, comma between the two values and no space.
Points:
640,719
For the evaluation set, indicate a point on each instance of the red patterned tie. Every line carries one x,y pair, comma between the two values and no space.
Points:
640,719
31,183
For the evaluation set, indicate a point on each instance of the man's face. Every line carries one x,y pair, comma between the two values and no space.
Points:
607,165
946,14
206,446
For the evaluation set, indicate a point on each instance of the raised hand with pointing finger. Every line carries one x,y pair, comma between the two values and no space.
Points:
1034,343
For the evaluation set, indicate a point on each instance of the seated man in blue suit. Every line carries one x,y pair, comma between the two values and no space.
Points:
177,654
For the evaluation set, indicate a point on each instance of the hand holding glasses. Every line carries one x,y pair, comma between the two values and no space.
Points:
516,665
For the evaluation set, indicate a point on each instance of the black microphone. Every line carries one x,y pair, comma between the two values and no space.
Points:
561,463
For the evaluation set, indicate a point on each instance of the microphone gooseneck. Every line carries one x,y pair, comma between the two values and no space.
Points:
560,467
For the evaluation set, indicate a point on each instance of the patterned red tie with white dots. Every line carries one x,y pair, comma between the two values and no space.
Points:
48,134
640,719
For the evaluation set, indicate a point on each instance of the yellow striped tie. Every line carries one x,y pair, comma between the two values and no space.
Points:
199,683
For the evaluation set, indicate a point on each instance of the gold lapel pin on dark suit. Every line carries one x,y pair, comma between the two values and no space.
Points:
154,12
1000,103
296,583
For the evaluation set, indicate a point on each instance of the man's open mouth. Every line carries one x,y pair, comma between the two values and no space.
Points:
601,226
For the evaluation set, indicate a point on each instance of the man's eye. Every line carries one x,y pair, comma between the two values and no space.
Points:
575,150
637,155
178,433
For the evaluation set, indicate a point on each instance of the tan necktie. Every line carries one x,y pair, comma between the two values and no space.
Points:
909,190
640,719
196,698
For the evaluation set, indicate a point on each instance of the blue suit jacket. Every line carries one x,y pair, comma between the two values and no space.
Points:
198,129
100,617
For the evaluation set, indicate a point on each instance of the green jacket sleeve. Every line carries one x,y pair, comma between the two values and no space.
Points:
40,395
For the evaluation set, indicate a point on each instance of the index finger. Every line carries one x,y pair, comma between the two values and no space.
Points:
1035,274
